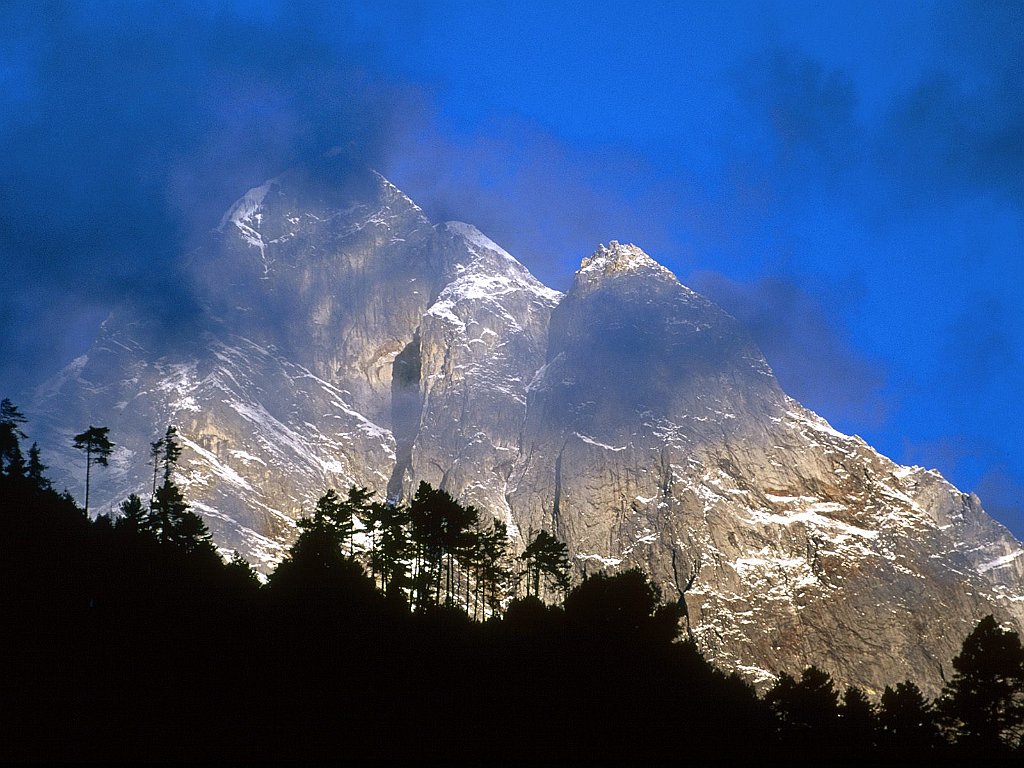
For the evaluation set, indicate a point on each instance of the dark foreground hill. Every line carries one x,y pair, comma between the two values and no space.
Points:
120,644
339,337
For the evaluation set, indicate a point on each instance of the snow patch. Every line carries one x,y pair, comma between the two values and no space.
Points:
591,441
247,207
1000,562
606,561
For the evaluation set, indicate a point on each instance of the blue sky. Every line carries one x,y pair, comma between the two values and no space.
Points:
847,179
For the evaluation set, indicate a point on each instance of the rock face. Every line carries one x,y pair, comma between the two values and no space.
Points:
658,436
343,339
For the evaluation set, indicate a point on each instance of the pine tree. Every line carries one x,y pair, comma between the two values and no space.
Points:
427,531
170,518
192,535
11,459
97,448
168,509
807,710
858,720
170,451
133,515
341,514
908,722
155,449
983,705
356,506
493,569
241,572
36,469
390,556
546,556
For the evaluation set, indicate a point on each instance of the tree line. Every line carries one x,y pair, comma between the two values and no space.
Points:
131,637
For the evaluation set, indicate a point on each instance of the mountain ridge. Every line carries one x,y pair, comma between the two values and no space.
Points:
345,339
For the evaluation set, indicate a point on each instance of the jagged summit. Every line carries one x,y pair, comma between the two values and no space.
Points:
349,340
617,259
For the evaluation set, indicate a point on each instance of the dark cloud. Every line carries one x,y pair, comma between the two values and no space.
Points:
961,128
808,110
129,127
810,354
982,345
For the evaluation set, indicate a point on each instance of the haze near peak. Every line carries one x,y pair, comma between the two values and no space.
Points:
843,180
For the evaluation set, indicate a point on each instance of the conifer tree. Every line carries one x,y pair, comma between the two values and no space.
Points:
427,531
36,469
493,567
170,450
340,514
355,506
133,515
983,705
191,534
241,572
908,721
11,459
168,509
97,447
170,518
155,449
546,556
394,549
327,509
858,720
807,709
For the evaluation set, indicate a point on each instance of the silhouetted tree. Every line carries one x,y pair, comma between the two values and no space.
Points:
858,721
170,450
241,573
11,459
191,534
492,567
340,514
155,450
983,705
624,607
390,547
807,710
97,447
326,512
355,506
439,529
170,518
909,725
370,518
36,471
133,515
167,509
546,556
316,571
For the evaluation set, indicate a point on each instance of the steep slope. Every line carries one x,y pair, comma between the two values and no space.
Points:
311,288
342,338
480,344
658,437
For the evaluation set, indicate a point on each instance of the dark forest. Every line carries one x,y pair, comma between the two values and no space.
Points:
129,637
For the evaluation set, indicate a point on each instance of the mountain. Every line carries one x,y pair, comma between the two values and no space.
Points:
342,338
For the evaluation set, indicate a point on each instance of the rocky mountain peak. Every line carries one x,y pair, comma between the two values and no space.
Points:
348,340
617,259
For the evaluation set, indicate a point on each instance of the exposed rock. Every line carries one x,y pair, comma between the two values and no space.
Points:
345,339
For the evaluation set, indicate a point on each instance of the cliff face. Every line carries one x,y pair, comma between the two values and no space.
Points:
658,436
345,339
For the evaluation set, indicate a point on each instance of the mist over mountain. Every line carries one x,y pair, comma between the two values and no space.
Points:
340,337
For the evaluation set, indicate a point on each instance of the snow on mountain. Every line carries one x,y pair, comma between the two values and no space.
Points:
345,339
